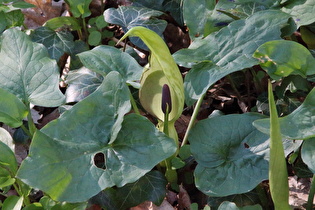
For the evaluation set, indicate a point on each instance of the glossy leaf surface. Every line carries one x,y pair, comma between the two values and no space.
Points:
12,110
226,205
81,83
302,11
197,18
129,17
232,157
282,58
61,160
300,124
57,42
104,59
227,51
39,84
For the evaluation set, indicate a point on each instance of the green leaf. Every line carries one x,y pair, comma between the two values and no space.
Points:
173,7
95,38
79,8
210,16
278,174
22,5
249,198
8,164
14,18
232,157
81,83
299,124
49,204
150,187
231,50
226,205
57,42
104,59
39,84
3,22
196,18
13,202
60,22
61,160
129,17
308,154
302,11
12,110
282,58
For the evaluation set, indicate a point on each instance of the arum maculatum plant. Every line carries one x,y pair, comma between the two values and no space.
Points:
161,86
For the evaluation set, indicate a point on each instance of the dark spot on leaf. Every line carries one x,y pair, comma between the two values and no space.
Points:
99,160
246,145
219,24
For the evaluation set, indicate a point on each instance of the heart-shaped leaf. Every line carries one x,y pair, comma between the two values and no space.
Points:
129,17
12,110
57,42
232,157
27,72
104,59
300,124
227,51
281,58
62,155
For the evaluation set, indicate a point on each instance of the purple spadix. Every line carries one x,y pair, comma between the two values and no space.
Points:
166,99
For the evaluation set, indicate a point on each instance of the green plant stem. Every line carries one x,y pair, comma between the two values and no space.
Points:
311,195
26,199
84,29
134,104
26,131
193,119
31,125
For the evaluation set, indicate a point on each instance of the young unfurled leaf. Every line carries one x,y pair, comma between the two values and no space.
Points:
278,175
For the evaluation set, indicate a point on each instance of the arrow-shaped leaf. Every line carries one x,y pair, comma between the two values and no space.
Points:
61,160
27,72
